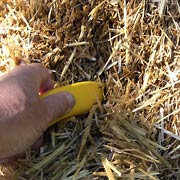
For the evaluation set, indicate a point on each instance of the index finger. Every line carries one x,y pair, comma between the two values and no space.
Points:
33,75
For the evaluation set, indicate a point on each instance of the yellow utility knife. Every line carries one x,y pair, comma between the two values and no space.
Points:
86,94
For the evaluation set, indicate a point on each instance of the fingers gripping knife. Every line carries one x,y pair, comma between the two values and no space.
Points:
86,94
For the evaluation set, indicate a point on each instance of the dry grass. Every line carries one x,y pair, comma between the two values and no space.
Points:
131,45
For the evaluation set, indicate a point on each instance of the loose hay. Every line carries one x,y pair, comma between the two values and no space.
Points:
133,46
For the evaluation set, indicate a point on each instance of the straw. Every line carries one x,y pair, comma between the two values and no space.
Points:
132,47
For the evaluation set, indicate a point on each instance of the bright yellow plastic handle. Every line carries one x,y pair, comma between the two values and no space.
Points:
85,93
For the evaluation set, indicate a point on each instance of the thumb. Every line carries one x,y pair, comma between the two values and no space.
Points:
59,104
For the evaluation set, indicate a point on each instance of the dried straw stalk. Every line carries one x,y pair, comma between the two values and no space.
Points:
132,46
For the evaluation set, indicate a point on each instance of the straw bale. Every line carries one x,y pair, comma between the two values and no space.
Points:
132,46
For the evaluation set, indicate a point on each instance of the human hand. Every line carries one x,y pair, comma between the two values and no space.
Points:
23,115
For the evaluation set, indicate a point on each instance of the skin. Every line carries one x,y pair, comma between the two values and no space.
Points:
24,117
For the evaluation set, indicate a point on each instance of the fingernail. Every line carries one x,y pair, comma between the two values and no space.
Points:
70,99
